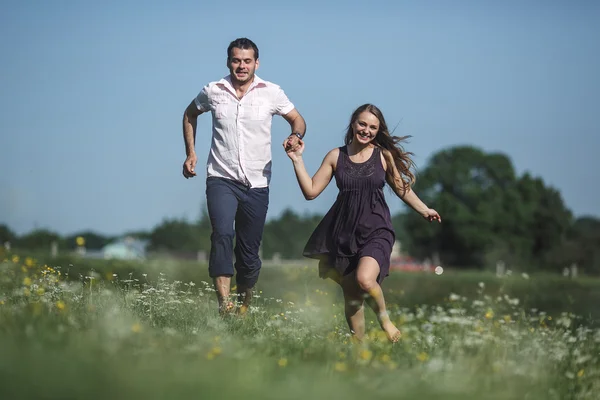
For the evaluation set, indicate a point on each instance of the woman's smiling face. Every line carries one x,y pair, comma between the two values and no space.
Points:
365,127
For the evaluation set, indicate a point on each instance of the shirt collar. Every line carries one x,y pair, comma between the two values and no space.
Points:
226,81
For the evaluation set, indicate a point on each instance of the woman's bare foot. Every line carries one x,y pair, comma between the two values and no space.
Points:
393,334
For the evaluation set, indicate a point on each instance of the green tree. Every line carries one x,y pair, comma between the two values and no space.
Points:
39,239
287,235
93,241
544,219
487,212
402,234
581,247
141,235
181,235
175,235
6,234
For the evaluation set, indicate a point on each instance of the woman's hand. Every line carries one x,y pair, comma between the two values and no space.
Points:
431,215
296,155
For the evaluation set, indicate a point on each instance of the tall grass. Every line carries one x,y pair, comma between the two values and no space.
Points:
111,336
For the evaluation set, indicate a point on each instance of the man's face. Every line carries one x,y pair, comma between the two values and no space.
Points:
242,65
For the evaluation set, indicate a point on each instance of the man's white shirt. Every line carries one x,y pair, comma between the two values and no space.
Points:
241,129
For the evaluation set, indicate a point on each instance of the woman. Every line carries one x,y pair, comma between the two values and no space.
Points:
354,240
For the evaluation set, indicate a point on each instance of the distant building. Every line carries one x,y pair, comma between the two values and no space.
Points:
407,263
126,248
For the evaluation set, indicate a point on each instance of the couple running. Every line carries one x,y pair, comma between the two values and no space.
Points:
353,242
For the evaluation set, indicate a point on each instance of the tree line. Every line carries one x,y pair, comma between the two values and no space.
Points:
489,214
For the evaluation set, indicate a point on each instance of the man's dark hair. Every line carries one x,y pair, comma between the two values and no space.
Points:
244,44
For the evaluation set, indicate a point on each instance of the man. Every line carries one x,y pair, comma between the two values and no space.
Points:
239,165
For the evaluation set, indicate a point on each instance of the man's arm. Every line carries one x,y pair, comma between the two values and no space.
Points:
298,125
190,119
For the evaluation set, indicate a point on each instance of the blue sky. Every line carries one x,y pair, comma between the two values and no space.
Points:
92,94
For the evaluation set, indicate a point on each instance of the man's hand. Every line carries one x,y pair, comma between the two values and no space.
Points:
189,166
291,143
296,154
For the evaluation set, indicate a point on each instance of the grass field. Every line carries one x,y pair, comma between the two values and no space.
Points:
147,334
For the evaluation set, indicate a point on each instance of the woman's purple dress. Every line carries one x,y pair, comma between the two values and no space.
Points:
359,222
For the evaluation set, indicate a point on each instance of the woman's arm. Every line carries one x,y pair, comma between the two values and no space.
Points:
313,187
405,193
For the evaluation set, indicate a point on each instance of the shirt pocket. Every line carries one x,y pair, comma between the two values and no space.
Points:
221,111
221,107
258,111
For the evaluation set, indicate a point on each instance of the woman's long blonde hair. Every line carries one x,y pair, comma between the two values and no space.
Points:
386,141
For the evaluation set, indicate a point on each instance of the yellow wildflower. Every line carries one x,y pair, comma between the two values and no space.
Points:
15,259
340,366
40,291
60,305
386,358
282,362
365,354
489,314
580,373
136,328
422,356
27,281
216,350
29,262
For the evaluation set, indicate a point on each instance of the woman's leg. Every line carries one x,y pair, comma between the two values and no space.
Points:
353,297
353,305
366,277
